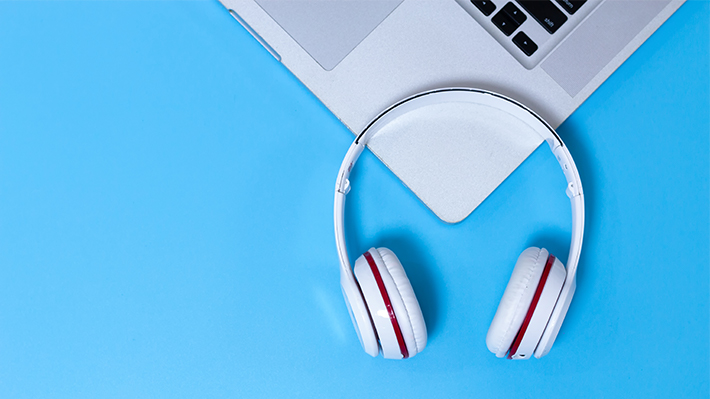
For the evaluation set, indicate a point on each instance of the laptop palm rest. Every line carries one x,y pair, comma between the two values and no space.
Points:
598,40
454,154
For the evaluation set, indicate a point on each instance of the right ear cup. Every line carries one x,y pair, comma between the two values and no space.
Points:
393,307
527,302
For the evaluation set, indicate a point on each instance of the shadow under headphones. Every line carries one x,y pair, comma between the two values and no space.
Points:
380,298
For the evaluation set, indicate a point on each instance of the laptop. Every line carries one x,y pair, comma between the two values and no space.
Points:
361,56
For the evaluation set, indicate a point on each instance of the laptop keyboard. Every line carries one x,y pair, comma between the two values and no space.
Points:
529,29
545,13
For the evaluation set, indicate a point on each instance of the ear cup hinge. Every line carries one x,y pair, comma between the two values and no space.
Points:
343,186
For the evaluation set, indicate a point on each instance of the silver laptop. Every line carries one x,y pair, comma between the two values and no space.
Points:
361,56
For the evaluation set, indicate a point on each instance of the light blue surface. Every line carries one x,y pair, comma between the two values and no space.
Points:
166,227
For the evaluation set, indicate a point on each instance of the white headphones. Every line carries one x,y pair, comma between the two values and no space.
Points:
380,298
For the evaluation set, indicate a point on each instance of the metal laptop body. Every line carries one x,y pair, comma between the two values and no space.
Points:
361,56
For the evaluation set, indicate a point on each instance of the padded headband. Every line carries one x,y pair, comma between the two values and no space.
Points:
486,98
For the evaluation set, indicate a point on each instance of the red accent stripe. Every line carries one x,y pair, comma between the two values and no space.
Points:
533,305
388,304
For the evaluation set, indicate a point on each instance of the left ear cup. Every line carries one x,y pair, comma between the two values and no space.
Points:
411,304
393,307
526,305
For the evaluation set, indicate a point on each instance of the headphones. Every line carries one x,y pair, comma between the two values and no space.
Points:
380,298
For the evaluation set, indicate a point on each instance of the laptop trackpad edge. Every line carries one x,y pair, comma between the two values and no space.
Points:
328,30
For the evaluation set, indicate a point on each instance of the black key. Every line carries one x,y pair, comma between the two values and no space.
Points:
486,7
506,24
545,12
515,13
571,6
524,43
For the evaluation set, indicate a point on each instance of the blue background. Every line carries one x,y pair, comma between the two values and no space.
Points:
166,227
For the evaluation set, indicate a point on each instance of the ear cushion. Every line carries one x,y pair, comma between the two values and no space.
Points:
516,300
411,304
402,299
